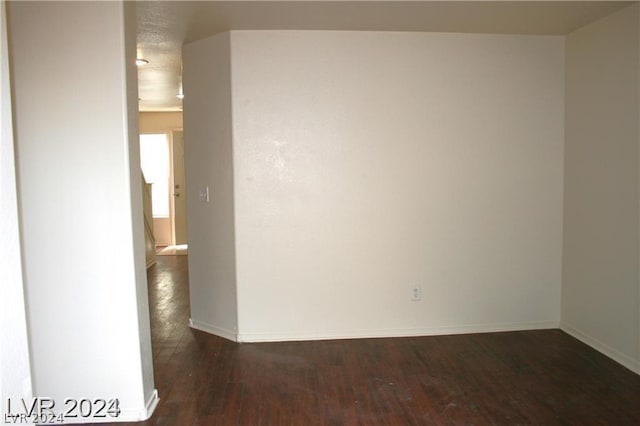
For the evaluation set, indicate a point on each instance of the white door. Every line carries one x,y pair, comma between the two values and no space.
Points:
179,193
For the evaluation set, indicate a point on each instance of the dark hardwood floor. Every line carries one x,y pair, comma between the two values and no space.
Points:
532,377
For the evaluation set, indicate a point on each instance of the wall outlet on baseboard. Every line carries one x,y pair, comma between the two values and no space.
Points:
416,293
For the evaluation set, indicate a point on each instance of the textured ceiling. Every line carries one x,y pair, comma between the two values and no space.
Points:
163,27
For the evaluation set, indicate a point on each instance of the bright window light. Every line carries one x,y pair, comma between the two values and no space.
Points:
154,156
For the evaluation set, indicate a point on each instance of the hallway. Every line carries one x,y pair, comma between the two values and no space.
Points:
533,377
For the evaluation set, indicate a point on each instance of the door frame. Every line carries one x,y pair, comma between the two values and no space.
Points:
172,184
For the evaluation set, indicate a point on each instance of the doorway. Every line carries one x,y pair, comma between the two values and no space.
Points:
162,163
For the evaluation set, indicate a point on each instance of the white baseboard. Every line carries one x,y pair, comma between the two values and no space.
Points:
620,358
138,415
398,332
152,403
212,329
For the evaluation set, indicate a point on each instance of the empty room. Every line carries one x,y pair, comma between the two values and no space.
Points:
397,213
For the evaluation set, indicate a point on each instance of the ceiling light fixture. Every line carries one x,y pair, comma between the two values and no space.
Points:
140,62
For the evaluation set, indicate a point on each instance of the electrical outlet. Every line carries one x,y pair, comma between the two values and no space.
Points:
416,293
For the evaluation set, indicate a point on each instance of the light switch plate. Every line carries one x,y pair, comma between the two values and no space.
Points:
204,194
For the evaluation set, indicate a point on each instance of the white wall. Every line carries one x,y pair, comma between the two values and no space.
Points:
80,198
367,162
15,371
135,210
160,122
208,163
600,278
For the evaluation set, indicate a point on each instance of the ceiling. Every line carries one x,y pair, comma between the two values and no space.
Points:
164,26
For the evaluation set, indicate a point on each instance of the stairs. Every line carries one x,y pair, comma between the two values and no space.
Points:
149,239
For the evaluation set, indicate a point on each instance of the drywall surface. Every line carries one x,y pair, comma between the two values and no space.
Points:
134,175
600,255
160,122
368,163
15,371
162,230
80,203
209,169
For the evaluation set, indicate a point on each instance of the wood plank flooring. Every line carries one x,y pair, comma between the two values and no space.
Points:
533,377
